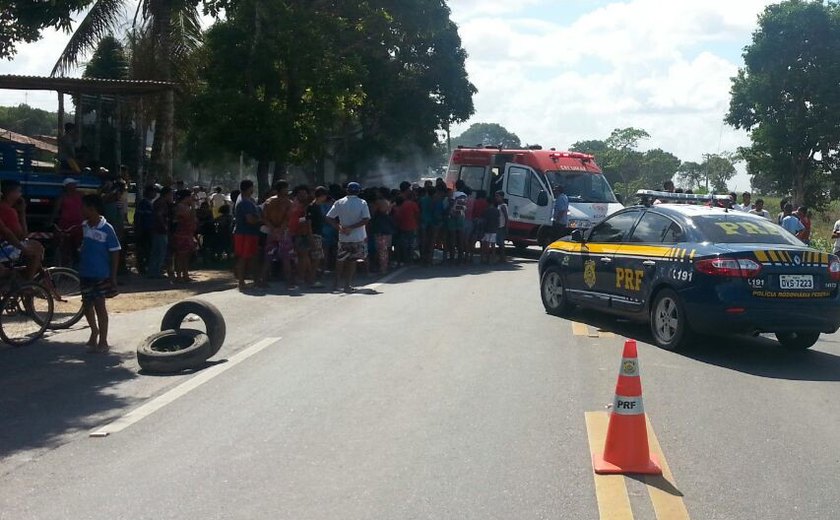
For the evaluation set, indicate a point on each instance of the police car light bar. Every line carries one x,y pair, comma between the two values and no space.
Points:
665,195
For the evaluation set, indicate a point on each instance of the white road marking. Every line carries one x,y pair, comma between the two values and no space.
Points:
388,279
181,390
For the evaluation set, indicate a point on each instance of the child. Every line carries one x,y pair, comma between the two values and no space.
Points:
99,260
491,226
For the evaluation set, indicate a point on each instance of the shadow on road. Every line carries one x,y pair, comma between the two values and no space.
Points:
758,356
49,390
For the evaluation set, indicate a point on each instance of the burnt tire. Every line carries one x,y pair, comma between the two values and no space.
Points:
798,340
171,351
213,320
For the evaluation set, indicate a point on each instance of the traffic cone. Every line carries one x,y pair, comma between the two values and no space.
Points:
626,449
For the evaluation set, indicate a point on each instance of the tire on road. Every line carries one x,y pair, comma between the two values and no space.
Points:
798,340
213,320
171,351
553,292
669,322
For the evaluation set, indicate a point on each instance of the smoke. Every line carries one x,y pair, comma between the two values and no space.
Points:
413,165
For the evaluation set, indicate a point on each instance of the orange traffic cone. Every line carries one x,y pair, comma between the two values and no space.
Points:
626,449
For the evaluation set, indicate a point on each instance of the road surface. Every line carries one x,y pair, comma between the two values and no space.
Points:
439,393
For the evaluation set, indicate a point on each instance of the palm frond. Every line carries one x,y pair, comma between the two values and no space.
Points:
102,19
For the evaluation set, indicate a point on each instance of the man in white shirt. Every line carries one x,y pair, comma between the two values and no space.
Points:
349,216
745,205
835,234
217,200
759,209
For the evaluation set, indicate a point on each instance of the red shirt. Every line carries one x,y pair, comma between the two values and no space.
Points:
408,216
479,207
295,227
10,218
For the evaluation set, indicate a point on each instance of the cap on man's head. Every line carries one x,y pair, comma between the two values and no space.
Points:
68,181
354,187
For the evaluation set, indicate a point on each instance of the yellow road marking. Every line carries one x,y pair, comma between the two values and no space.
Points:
580,329
667,499
605,334
610,490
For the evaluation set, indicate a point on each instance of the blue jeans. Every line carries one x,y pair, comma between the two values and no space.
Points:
158,255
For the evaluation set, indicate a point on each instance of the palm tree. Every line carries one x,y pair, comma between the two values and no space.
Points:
168,31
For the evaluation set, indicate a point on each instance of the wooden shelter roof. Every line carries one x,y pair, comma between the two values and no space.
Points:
119,87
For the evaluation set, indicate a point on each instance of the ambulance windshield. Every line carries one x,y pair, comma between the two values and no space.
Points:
583,186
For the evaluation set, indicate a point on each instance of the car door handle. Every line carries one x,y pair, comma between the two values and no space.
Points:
649,263
606,260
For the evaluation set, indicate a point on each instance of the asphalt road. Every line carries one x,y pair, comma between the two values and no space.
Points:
442,393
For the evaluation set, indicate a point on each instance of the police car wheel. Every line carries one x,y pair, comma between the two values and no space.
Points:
668,320
798,340
553,292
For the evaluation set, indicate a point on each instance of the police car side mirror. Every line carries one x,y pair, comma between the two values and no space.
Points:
577,236
542,199
619,198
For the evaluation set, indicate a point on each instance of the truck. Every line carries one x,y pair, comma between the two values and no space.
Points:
40,183
528,178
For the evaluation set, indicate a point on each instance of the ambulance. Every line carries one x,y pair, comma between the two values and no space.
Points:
528,177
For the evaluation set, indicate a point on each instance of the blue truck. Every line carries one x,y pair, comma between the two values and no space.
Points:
41,184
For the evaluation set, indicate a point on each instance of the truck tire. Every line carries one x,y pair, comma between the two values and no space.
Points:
171,351
213,320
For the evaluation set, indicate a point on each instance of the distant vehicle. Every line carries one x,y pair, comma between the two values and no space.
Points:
41,187
528,178
693,268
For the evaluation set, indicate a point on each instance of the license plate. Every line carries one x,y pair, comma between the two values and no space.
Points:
796,281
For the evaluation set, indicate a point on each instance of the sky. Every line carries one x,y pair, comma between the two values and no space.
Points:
559,71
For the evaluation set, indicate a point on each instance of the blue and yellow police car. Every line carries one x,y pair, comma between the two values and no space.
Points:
687,267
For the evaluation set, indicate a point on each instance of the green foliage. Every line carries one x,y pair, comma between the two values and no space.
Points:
23,20
286,81
487,134
786,95
108,61
627,168
29,121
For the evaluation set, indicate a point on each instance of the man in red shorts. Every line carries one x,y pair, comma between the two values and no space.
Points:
246,231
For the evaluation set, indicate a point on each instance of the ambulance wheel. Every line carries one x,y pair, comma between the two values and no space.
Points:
798,340
553,292
668,321
520,247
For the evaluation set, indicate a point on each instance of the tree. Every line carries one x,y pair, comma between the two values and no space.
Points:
108,61
786,96
718,170
659,166
691,175
487,134
23,20
26,120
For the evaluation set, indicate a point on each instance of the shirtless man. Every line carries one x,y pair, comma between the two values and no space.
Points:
279,244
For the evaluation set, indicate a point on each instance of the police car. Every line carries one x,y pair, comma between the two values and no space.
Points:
686,267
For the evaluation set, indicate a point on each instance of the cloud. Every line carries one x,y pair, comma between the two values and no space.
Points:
663,66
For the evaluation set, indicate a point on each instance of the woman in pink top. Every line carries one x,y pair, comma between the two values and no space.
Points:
183,238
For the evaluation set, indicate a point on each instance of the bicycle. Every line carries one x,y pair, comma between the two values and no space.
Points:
66,250
26,310
65,286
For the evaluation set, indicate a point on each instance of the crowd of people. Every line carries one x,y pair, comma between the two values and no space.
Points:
307,232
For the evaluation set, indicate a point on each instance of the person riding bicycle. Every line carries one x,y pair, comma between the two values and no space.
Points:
13,231
67,218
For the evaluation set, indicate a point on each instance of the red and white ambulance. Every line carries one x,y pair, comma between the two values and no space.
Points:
528,178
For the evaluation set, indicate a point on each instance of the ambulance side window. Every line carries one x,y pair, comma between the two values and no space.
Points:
517,183
656,229
536,187
473,176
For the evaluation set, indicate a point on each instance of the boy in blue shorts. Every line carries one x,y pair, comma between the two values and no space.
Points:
99,259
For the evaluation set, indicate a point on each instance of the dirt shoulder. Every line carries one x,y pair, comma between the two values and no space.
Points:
138,293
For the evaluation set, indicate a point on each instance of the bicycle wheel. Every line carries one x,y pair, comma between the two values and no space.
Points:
25,314
66,288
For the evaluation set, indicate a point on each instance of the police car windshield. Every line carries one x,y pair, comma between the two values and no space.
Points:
583,186
732,228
